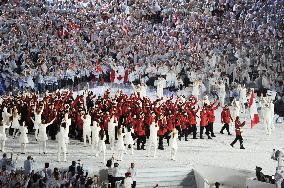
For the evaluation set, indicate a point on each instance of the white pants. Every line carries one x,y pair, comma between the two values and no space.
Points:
36,134
42,145
85,136
267,124
111,141
104,155
173,154
23,147
155,145
61,149
95,143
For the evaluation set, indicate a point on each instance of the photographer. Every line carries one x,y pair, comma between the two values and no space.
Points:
76,168
117,175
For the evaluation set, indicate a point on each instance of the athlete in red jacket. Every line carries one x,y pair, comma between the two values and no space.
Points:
226,118
238,129
192,120
211,117
141,134
204,123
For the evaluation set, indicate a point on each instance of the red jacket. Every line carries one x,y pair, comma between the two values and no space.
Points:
226,116
192,117
211,115
184,121
148,119
170,124
140,131
162,127
238,127
203,118
79,121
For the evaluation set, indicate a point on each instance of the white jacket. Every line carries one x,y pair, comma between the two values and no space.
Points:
3,132
153,132
61,138
87,124
6,116
128,137
95,132
23,139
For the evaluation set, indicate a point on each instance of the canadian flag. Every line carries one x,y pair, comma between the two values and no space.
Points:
253,111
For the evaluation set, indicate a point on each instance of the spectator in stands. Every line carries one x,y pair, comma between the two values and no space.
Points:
72,168
3,161
28,165
46,172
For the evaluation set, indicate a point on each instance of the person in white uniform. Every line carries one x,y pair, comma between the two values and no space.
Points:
174,146
153,139
143,90
236,107
111,131
271,96
23,139
3,137
42,136
6,117
102,145
243,97
120,144
67,120
266,113
222,93
95,135
37,121
87,120
15,121
62,142
160,84
129,139
195,89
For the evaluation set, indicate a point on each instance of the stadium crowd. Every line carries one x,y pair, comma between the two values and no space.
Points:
52,44
75,176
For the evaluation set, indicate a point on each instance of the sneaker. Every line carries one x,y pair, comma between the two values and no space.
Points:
229,134
242,147
221,132
232,145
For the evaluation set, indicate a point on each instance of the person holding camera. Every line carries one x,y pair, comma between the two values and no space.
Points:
117,176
